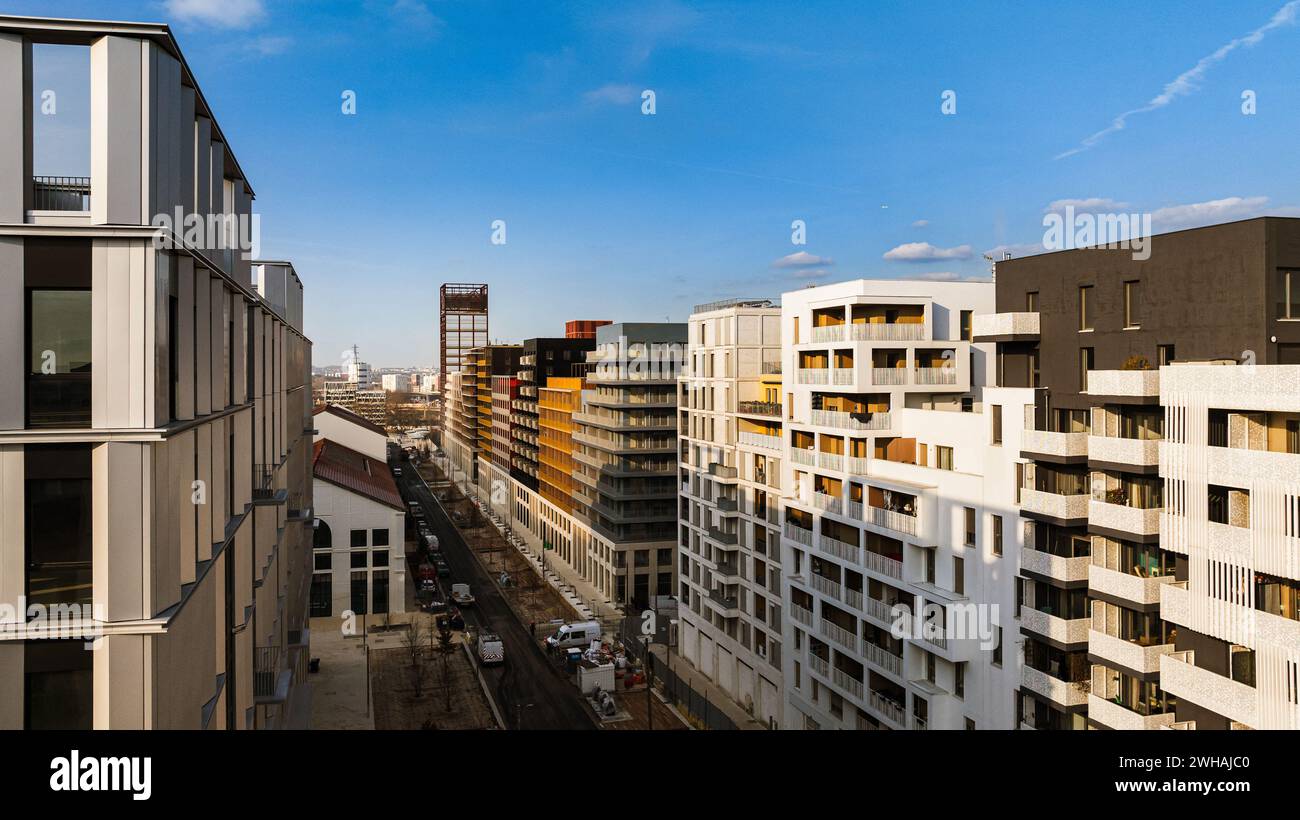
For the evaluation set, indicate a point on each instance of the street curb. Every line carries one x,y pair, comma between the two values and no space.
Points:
482,682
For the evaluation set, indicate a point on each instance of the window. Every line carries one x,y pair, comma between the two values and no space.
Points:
58,356
359,592
379,592
1132,297
378,538
996,415
358,559
966,325
664,557
324,560
958,576
1031,301
1164,355
929,566
1085,307
58,683
59,527
1087,358
959,681
1288,294
942,457
997,646
995,526
358,538
321,537
970,526
379,558
321,591
967,404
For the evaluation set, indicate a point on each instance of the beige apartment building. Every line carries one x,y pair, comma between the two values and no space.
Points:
729,553
155,500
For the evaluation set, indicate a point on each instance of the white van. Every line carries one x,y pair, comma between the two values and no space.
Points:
579,633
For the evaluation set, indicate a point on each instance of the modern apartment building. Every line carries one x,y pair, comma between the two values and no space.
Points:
583,328
1160,492
469,410
155,499
900,546
505,392
729,553
625,454
541,360
556,404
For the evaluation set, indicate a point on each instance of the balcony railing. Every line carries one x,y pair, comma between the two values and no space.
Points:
838,634
886,706
60,193
813,376
842,375
802,615
936,375
760,440
883,564
759,408
891,520
831,461
828,333
886,660
887,332
840,549
266,670
796,533
888,375
850,421
848,683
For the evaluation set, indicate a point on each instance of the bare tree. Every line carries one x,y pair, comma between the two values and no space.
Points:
445,648
413,643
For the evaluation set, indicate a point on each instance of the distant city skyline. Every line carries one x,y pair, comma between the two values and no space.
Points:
908,140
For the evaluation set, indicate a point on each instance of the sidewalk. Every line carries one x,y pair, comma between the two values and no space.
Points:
717,698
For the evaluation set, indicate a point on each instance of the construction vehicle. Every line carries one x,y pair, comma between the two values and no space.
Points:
490,649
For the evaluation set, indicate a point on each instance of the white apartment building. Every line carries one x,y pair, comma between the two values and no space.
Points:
899,479
396,382
154,447
729,553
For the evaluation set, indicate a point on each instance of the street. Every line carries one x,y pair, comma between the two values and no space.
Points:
529,692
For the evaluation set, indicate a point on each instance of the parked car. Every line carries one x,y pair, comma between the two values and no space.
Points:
576,634
444,571
490,649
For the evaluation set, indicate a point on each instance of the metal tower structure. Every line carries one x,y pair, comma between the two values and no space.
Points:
463,323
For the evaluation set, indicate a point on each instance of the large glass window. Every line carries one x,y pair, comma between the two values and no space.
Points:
379,592
58,685
58,510
321,586
58,357
359,592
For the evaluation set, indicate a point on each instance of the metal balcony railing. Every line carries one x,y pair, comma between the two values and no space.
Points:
266,668
60,193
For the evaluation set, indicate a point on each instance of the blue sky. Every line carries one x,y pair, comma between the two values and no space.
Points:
531,113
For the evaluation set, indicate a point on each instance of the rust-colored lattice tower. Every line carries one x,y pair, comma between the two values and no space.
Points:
463,323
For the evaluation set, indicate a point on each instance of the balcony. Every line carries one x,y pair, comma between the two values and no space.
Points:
759,408
830,503
888,661
727,572
891,709
1127,654
1122,518
825,586
892,520
883,565
729,604
1180,677
1062,446
1054,689
1004,327
1052,505
801,615
270,682
798,534
831,461
806,457
1114,716
760,440
888,376
1133,452
837,548
842,375
848,683
850,421
813,376
1061,630
1124,585
1132,384
1054,566
935,375
727,538
69,194
887,332
819,665
829,333
838,635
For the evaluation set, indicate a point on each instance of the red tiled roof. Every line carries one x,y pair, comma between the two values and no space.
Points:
348,415
346,468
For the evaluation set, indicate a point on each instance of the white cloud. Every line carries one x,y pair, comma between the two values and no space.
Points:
1197,214
921,223
269,46
616,93
217,13
1089,205
802,259
415,14
925,252
1187,82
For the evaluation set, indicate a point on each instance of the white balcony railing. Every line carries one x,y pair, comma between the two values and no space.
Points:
1005,324
891,520
850,421
759,440
810,376
887,332
888,375
935,375
883,565
831,461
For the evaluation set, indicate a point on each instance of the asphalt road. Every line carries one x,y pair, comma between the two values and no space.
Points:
529,692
